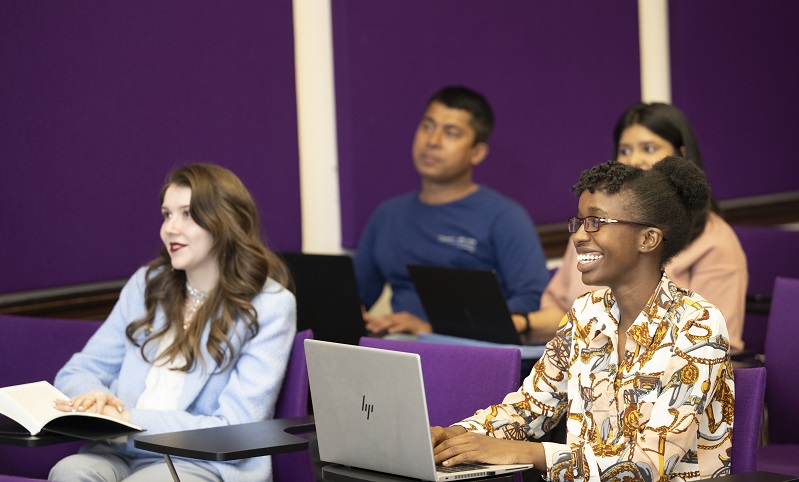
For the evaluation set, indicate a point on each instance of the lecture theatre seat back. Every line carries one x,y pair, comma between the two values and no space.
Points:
767,256
458,379
293,402
35,349
781,454
750,388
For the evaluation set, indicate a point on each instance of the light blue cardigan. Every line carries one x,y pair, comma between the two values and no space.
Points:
247,392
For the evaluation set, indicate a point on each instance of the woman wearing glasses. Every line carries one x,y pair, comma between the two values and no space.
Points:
640,369
713,263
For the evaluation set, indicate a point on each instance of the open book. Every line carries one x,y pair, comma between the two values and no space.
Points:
31,406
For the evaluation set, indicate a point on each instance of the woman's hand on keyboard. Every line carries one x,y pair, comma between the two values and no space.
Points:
439,434
473,447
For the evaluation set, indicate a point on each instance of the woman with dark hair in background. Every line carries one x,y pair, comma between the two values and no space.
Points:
713,263
640,369
199,338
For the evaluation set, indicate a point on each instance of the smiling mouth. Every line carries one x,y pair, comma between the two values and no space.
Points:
588,258
175,246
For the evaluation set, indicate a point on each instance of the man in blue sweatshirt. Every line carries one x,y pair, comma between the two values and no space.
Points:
451,221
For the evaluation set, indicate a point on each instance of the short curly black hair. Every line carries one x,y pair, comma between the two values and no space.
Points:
670,195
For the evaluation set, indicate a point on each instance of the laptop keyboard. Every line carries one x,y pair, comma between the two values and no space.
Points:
459,468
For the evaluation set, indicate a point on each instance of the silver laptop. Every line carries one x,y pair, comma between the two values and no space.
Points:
370,412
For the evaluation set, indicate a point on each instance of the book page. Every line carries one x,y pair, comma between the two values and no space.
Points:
31,405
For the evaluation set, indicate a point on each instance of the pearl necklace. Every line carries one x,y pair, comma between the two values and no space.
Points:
194,300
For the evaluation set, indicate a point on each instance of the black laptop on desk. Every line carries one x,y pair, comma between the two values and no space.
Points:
467,303
327,296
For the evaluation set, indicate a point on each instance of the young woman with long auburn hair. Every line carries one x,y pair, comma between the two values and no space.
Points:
199,338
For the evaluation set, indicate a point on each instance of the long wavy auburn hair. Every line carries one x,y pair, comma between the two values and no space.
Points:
221,205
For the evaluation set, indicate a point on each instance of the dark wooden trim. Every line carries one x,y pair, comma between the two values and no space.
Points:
553,238
780,208
94,301
91,301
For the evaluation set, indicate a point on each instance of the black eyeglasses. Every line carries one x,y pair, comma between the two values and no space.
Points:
592,223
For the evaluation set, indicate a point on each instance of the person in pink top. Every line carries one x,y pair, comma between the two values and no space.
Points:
713,263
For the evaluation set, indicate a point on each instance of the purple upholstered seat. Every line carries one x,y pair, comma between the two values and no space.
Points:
293,402
35,349
782,452
293,399
750,387
766,258
459,380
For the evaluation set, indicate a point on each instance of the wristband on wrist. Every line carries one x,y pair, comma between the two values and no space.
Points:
526,317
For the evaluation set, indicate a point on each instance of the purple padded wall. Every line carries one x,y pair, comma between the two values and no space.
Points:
734,73
557,77
100,100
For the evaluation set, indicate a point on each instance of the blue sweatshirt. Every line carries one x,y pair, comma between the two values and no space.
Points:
484,230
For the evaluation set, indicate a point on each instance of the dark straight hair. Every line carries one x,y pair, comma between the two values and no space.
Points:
457,97
668,122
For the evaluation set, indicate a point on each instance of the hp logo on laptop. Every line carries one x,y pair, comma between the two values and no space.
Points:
367,407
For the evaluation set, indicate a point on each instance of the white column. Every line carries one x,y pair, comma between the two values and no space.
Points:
653,35
316,119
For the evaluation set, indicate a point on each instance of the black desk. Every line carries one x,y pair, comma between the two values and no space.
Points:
34,440
12,433
230,442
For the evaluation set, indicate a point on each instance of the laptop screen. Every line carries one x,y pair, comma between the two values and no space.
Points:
468,303
369,409
327,296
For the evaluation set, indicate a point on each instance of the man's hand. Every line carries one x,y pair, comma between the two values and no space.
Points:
402,322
